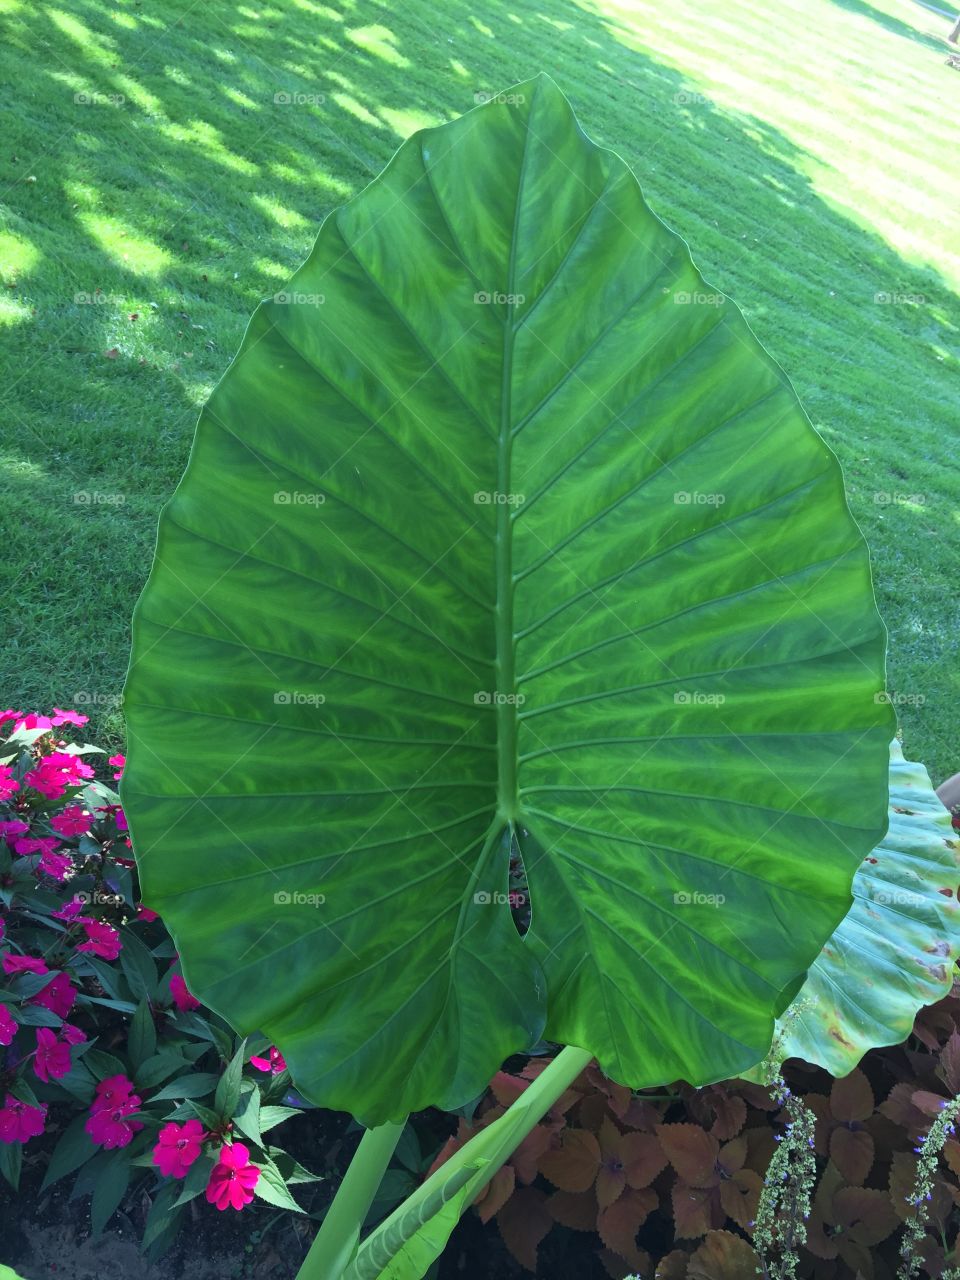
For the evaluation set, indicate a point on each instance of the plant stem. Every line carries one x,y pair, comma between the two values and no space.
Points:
339,1233
467,1171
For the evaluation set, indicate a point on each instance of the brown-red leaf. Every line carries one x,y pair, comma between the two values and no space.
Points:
692,1151
851,1097
867,1215
852,1151
695,1210
506,1088
723,1256
731,1113
524,1221
931,1104
578,1211
618,1225
610,1185
496,1193
573,1165
643,1158
673,1266
740,1195
950,1063
526,1159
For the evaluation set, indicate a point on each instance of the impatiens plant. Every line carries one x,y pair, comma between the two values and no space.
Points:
233,1177
103,1048
510,552
177,1147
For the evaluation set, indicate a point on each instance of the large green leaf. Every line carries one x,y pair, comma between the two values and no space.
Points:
502,533
896,949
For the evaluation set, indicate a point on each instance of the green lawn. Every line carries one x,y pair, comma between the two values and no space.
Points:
153,189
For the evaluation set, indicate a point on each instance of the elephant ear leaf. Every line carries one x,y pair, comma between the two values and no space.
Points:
896,949
504,550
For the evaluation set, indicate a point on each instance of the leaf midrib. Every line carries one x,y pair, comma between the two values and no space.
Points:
506,710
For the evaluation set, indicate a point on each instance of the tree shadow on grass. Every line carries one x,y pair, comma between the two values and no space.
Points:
899,28
201,191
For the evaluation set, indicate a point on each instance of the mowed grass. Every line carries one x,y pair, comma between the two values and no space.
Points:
153,189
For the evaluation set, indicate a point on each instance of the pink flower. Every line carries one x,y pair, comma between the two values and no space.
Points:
102,938
118,762
73,821
181,996
177,1148
32,721
72,1035
69,717
52,1058
117,813
19,1122
8,1027
55,865
69,910
109,1127
48,782
57,996
272,1062
36,844
8,783
145,914
13,828
233,1178
55,772
111,1092
22,964
9,714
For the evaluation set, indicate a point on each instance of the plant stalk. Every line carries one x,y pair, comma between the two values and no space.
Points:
339,1234
467,1171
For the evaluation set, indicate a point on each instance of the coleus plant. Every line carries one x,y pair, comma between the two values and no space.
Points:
502,542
